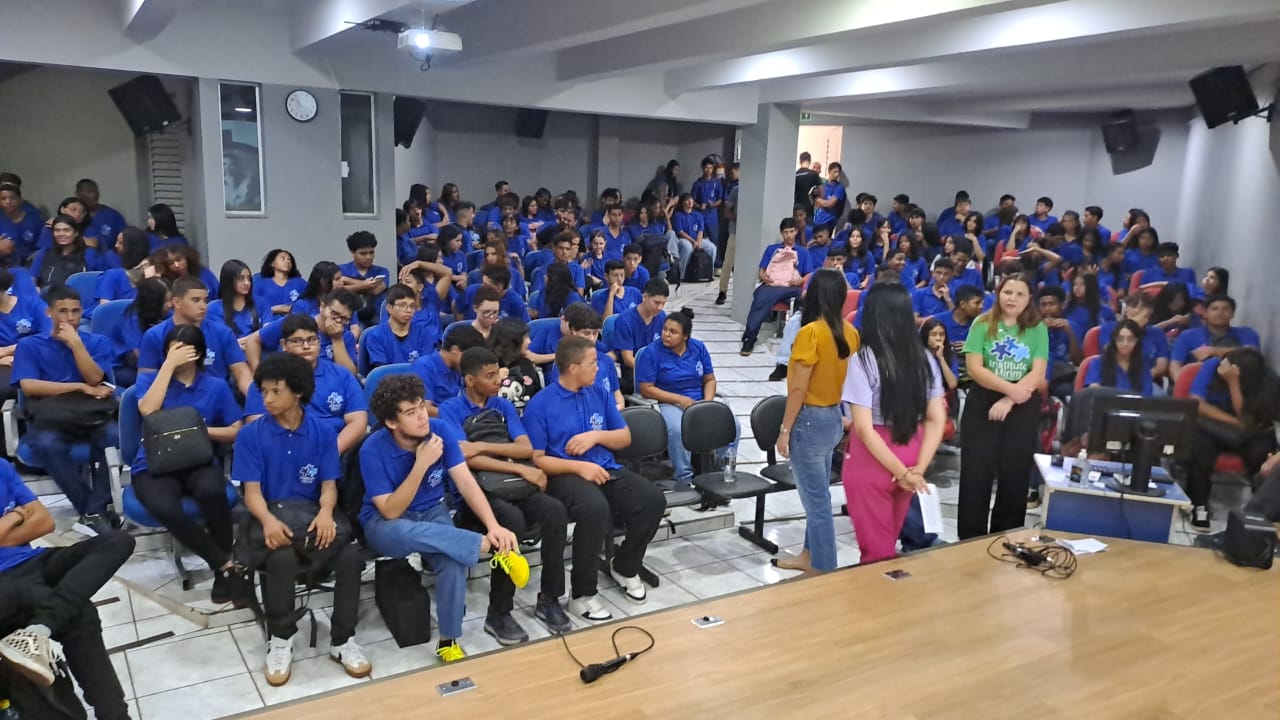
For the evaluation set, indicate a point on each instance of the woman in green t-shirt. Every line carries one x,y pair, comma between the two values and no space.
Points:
1005,354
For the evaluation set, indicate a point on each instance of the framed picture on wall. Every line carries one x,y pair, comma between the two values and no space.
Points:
243,192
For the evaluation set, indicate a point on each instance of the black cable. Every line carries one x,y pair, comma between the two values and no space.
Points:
1051,560
613,639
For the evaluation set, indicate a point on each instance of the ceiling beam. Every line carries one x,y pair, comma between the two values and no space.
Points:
913,112
1048,25
143,19
316,21
771,26
1147,96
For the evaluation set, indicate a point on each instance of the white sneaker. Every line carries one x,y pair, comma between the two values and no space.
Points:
279,661
632,587
352,659
32,655
589,608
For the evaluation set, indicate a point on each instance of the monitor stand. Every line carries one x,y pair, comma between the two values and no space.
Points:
1145,453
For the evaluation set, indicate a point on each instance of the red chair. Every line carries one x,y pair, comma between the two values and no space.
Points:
1135,281
1091,346
850,302
1227,462
1151,289
1083,370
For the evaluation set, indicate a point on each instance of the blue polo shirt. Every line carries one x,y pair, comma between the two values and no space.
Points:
287,463
556,414
385,466
44,357
631,297
1154,344
544,310
350,270
1059,348
1135,260
1093,376
244,320
384,347
158,242
630,332
105,224
860,269
337,393
704,192
803,264
267,294
1197,337
222,348
29,316
113,284
539,277
653,228
1186,276
1079,317
270,337
442,383
613,244
209,395
679,374
25,234
305,306
536,259
925,303
606,372
827,216
638,279
956,333
1034,221
13,494
1200,386
456,410
510,306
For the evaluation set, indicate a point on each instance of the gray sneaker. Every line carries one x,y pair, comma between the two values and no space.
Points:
548,610
93,525
505,629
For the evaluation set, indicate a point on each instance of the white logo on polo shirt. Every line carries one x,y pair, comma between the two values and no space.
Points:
335,402
23,326
435,477
307,473
328,351
698,368
293,296
210,357
413,355
597,421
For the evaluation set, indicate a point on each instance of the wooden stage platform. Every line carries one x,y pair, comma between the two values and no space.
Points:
1140,631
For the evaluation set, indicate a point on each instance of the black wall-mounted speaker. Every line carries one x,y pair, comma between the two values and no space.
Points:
1224,94
531,123
408,113
1120,134
145,104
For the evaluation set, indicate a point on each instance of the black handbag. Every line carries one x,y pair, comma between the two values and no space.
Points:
73,412
490,426
175,440
251,546
1249,541
405,605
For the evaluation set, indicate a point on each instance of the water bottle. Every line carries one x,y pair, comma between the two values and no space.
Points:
1079,468
8,711
730,468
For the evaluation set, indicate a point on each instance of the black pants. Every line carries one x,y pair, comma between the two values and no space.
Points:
162,496
280,573
995,451
1266,496
630,499
55,587
1205,449
550,517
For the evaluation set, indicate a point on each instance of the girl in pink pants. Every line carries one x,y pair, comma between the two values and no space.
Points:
877,504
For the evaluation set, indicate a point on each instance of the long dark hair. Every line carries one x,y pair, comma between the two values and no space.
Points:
926,329
1110,364
227,280
269,272
320,281
188,335
1224,279
136,247
1166,298
62,210
1258,385
889,336
1092,300
823,301
166,222
77,238
506,340
149,306
555,294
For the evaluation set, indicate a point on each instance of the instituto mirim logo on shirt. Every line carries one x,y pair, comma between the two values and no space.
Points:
307,473
597,421
1010,357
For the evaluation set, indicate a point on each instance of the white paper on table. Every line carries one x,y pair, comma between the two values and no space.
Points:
1083,546
931,510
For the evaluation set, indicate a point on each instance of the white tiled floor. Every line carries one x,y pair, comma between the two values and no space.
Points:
211,672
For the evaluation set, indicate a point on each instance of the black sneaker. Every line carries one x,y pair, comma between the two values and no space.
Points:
549,612
1200,519
93,525
1033,499
779,373
748,346
721,298
221,593
505,629
116,521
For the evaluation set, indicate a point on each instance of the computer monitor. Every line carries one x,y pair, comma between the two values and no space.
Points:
1141,431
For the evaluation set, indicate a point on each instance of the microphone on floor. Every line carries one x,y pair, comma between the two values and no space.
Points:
594,671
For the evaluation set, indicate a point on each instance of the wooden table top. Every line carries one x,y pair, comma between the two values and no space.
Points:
1140,631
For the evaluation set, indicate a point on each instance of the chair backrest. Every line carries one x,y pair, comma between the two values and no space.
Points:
535,301
474,277
707,426
1083,370
85,283
606,334
850,303
1135,281
648,433
452,325
376,375
362,352
766,424
1092,346
107,316
130,425
1186,376
541,325
474,259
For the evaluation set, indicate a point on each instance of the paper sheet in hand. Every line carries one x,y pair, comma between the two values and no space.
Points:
931,510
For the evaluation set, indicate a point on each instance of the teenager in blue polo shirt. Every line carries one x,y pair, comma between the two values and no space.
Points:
1042,219
397,339
637,274
47,594
104,222
404,465
334,321
780,280
289,460
183,381
537,510
435,279
19,223
690,228
362,277
21,314
498,277
439,370
337,401
968,306
1167,270
829,205
68,360
565,247
1139,308
279,284
936,297
638,327
190,304
616,297
708,196
575,427
1122,364
1093,221
1215,338
616,235
581,321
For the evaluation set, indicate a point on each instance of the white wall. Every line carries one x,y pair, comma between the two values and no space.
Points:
59,125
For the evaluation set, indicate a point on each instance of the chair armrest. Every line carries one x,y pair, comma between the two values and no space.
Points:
636,399
115,469
9,411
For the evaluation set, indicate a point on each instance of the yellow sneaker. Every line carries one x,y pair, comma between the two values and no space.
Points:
514,565
451,652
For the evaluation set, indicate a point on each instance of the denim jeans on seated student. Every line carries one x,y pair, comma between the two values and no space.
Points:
789,333
684,250
680,458
448,550
89,493
814,436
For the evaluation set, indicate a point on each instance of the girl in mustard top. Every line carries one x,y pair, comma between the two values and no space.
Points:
811,425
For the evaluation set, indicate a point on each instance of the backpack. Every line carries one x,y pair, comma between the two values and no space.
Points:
655,256
781,270
351,490
57,702
700,268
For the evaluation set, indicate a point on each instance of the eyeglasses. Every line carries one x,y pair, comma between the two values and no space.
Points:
404,307
488,313
340,318
300,342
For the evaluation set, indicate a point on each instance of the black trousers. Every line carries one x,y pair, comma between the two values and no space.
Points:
162,496
1266,496
520,517
280,574
1205,449
54,589
629,499
995,451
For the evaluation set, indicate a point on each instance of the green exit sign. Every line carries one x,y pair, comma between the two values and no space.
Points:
805,117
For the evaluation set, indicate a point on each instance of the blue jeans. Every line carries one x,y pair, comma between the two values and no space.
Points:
680,458
789,333
450,551
89,493
912,535
814,436
762,302
684,250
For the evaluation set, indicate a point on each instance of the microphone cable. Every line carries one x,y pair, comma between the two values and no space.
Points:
619,659
1050,559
